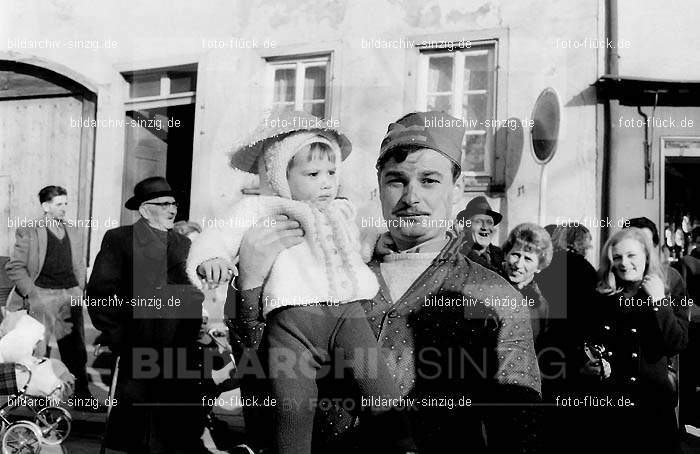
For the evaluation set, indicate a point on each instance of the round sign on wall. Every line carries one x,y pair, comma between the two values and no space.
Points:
546,118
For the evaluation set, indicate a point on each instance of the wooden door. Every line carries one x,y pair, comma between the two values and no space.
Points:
40,147
43,142
146,151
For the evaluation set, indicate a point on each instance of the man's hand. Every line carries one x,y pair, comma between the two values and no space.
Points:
385,245
216,272
262,244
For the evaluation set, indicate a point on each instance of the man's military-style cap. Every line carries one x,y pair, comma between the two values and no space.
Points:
435,130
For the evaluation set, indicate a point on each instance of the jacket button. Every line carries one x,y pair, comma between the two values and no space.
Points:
633,330
634,355
606,327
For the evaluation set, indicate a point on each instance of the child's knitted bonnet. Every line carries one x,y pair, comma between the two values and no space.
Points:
278,154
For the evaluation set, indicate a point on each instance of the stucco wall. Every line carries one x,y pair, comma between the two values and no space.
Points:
627,163
372,85
659,42
375,83
663,39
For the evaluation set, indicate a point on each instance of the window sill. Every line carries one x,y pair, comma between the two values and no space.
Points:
482,184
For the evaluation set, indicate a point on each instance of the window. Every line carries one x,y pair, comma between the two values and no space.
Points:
301,84
162,83
462,82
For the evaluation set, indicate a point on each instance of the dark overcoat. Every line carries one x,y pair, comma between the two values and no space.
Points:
149,314
640,339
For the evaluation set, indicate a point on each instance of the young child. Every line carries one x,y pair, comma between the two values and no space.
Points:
23,344
310,297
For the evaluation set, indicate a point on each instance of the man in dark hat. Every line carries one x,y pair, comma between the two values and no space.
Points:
446,326
139,297
479,220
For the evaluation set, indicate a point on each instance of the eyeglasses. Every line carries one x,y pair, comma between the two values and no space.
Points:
163,204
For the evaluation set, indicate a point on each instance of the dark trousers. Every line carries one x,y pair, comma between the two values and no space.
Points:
305,344
72,345
73,352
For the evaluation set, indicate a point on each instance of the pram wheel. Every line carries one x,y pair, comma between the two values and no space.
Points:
22,437
55,424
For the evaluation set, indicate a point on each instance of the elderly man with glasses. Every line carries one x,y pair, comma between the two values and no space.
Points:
140,299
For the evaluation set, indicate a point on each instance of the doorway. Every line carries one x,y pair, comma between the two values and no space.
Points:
159,128
681,210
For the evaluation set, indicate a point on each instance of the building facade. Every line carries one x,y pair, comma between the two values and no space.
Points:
169,87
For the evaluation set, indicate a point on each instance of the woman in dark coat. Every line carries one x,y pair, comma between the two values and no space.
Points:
640,326
568,284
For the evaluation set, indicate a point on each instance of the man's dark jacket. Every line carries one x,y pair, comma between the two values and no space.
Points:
495,256
459,331
135,272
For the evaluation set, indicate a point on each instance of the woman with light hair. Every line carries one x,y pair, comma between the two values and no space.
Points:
635,328
527,251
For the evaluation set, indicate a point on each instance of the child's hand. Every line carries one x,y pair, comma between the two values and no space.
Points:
216,272
385,245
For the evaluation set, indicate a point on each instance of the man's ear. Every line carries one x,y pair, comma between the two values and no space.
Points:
456,192
144,212
45,206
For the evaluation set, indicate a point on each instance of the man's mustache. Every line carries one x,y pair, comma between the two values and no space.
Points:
403,212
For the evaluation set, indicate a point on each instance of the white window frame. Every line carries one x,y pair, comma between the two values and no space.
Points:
300,64
164,98
458,92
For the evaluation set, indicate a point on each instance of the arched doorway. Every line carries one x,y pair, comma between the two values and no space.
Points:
47,136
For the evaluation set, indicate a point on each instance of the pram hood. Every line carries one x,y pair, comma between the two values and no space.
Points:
17,346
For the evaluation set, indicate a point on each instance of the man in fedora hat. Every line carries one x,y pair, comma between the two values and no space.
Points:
435,315
478,221
140,299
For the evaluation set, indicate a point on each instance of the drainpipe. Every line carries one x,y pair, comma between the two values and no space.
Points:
611,67
649,130
612,56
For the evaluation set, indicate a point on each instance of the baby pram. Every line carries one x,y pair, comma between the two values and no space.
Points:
50,424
